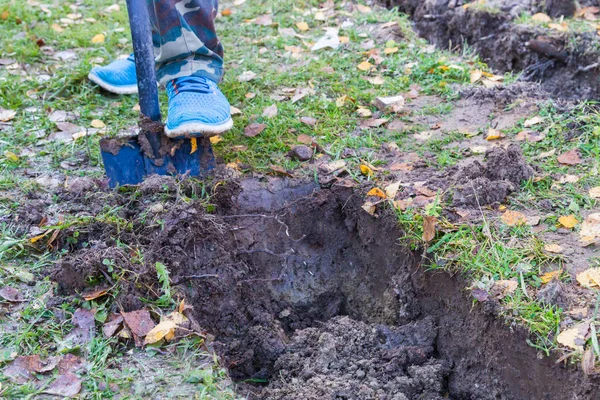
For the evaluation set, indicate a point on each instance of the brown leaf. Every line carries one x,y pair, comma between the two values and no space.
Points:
254,129
70,363
513,218
589,278
21,368
94,293
304,139
264,20
429,224
11,294
590,229
66,385
373,122
503,288
425,191
595,193
276,169
588,362
111,327
308,121
139,322
401,167
553,248
270,112
571,157
6,115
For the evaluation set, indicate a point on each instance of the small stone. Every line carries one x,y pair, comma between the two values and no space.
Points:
80,185
301,153
394,104
157,208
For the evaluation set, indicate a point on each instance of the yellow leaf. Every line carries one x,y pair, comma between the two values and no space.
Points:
512,218
96,123
215,139
5,14
562,27
365,170
11,156
194,143
302,26
532,121
548,276
177,317
574,337
590,229
94,294
376,192
38,237
476,75
390,50
541,17
363,9
159,332
340,101
589,278
99,38
344,39
181,306
553,248
57,28
365,66
494,134
429,224
595,192
568,221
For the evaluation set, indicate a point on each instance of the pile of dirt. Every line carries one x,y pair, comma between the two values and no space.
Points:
477,184
348,359
564,63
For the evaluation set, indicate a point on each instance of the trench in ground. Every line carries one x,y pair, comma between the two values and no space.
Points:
310,297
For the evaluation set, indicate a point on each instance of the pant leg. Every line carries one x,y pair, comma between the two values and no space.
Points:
185,41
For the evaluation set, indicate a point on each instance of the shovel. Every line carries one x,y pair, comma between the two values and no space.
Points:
128,160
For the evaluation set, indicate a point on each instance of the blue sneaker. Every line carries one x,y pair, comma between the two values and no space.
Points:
117,77
197,107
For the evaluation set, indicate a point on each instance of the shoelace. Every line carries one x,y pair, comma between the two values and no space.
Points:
190,84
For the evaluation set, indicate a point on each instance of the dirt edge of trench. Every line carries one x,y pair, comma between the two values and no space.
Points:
565,64
315,298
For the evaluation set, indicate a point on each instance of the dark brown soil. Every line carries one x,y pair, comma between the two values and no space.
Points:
311,297
564,63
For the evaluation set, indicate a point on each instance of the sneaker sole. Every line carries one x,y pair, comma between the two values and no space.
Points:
198,129
131,89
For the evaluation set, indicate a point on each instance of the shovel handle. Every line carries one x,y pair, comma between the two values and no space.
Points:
143,51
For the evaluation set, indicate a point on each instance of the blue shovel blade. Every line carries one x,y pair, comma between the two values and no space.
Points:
126,164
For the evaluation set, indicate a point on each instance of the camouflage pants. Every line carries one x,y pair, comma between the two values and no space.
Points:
185,41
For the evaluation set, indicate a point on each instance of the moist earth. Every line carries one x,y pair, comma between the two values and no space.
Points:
308,296
564,63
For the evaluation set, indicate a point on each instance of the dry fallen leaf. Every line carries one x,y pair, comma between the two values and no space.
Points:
494,134
503,288
589,278
553,248
99,38
392,189
277,170
11,294
595,192
270,112
139,322
94,294
365,66
541,17
164,330
365,170
254,129
574,337
532,121
66,385
514,218
363,9
590,229
216,139
364,112
369,207
548,276
571,157
96,123
568,221
264,20
429,224
377,192
6,115
302,26
588,362
246,76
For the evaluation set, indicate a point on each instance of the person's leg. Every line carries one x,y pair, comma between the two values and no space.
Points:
185,40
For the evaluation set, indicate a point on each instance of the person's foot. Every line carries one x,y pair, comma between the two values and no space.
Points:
117,77
197,107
